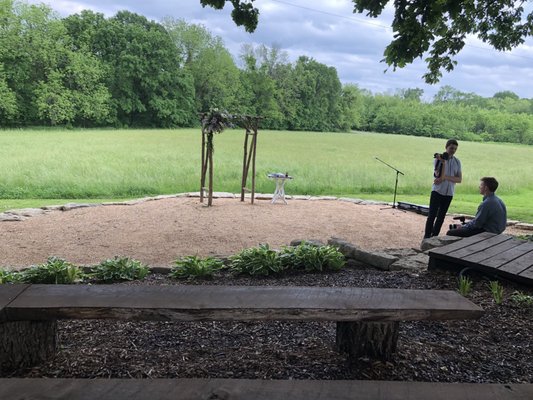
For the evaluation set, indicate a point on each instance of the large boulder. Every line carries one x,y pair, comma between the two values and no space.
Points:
314,242
415,263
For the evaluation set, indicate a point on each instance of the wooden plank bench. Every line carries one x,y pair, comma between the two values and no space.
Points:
367,318
243,389
489,253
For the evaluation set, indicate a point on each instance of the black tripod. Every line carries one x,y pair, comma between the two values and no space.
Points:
396,185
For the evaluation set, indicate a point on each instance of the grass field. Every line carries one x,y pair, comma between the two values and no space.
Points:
58,166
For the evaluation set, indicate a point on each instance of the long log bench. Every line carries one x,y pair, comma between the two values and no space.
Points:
367,318
242,389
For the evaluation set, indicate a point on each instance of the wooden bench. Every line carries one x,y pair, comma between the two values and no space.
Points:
367,318
243,389
495,255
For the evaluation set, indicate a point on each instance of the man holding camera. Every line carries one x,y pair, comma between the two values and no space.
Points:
447,172
491,214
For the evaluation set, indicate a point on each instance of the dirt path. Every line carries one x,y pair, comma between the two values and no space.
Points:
158,232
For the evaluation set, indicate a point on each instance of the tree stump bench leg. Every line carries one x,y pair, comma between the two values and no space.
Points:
367,339
24,344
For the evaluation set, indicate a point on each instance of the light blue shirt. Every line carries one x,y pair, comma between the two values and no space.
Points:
452,168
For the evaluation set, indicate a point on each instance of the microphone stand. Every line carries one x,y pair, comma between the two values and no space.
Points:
396,184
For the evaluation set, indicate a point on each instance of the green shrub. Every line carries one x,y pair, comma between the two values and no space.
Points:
256,261
54,271
309,257
465,285
7,276
497,291
195,267
119,269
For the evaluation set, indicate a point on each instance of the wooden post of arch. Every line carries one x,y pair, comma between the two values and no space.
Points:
207,165
204,167
250,148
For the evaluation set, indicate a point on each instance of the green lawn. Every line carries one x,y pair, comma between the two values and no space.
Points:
59,166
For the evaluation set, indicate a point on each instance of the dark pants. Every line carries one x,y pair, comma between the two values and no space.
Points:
438,207
464,232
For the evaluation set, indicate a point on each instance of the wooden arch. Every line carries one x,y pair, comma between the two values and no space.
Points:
216,121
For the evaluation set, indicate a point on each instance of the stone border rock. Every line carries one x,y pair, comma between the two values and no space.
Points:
24,213
413,260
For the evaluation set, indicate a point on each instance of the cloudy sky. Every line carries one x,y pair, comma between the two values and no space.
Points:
329,32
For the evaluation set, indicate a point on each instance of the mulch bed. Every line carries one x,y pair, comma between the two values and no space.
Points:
498,348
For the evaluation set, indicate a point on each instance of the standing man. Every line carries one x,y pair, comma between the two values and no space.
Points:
447,172
491,214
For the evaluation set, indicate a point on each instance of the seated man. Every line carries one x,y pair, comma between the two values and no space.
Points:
491,214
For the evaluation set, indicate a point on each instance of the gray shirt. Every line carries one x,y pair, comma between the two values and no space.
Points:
491,215
452,168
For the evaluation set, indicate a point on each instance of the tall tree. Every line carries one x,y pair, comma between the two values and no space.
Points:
31,48
142,66
419,26
216,77
317,89
261,90
53,83
506,94
8,100
450,94
352,108
411,94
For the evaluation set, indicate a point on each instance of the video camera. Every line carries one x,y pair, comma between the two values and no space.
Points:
444,156
455,226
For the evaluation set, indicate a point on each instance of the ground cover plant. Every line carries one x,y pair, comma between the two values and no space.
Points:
48,167
7,276
191,267
312,258
54,271
59,271
522,299
119,269
260,260
263,261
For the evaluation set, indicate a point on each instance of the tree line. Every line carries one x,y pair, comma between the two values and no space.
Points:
86,70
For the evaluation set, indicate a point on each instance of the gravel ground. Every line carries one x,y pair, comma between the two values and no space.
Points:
158,232
498,348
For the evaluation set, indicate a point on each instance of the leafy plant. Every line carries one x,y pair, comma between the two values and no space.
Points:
7,276
522,298
119,269
261,260
497,291
193,266
54,271
309,257
465,285
264,261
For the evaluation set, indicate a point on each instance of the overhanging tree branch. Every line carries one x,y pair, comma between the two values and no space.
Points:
421,27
